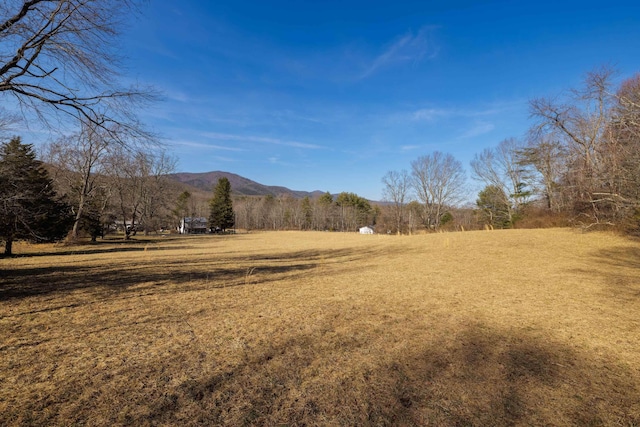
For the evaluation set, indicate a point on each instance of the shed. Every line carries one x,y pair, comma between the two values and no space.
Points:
365,230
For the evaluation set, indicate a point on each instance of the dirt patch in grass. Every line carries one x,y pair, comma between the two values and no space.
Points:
517,327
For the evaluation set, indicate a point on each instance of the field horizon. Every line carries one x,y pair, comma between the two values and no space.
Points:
504,327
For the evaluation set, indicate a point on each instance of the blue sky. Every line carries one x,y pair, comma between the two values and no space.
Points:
330,95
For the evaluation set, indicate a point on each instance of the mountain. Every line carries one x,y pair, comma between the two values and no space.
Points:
239,185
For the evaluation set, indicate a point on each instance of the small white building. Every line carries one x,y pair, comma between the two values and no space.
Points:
365,230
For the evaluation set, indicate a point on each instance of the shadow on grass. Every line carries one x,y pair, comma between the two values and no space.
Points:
623,256
332,373
199,274
121,245
98,250
624,282
476,377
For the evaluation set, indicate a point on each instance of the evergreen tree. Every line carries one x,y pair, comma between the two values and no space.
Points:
182,206
493,207
307,212
221,207
326,211
354,210
29,208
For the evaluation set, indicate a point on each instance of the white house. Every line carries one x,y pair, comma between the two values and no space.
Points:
195,225
365,230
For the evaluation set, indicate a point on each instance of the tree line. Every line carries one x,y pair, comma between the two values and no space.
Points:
87,186
59,61
579,163
60,66
344,212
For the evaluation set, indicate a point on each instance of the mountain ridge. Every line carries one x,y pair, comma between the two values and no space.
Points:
240,185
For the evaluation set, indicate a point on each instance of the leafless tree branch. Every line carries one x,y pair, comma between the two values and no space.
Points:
58,59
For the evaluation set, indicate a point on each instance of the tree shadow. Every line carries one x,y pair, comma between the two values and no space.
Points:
98,250
622,256
55,280
199,274
476,377
121,245
623,284
330,373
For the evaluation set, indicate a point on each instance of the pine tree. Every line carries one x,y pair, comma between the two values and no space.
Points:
29,208
307,212
493,207
221,207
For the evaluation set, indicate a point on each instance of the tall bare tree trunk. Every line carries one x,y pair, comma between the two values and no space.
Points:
8,246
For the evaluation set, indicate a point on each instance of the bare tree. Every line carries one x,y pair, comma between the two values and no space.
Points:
127,184
581,121
60,56
396,189
415,212
627,110
246,207
438,180
7,120
623,149
154,168
138,180
545,155
78,162
499,167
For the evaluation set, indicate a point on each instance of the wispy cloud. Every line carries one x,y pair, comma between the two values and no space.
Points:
430,114
277,160
480,128
225,159
259,139
411,47
193,144
175,95
292,115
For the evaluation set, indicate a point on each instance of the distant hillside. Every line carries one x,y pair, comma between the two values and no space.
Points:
239,185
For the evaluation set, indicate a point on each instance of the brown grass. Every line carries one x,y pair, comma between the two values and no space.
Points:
513,327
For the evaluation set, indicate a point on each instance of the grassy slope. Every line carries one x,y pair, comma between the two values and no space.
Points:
479,328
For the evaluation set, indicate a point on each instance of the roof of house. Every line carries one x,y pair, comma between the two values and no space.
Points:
198,219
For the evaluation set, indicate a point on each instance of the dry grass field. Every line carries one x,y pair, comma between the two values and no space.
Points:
517,327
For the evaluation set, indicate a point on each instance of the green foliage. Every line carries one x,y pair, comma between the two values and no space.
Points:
353,200
493,207
446,218
326,199
355,210
221,206
307,212
29,207
182,205
521,194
